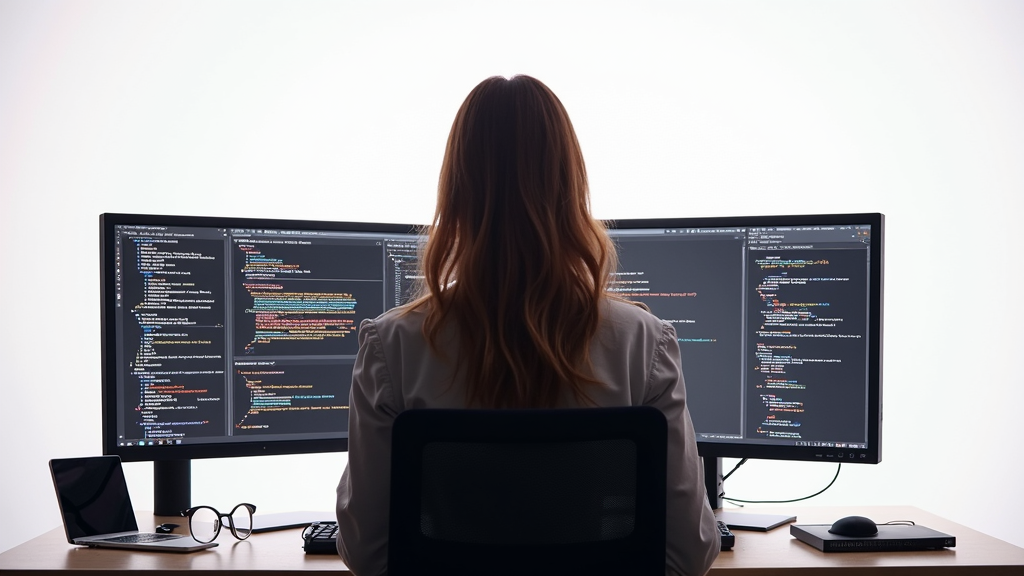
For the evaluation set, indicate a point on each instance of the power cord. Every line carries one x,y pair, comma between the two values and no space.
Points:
739,501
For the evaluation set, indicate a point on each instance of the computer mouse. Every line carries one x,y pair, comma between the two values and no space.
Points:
854,526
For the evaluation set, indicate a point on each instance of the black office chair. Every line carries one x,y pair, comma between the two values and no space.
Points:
560,492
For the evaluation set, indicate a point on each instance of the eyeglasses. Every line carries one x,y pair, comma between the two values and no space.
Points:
204,522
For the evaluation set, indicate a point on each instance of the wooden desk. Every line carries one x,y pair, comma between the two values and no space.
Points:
279,551
755,553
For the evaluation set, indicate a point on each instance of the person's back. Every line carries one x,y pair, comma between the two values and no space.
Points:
514,313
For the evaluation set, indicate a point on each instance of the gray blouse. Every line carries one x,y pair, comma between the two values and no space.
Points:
634,354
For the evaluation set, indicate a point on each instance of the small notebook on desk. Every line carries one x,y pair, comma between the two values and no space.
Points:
285,520
890,538
756,522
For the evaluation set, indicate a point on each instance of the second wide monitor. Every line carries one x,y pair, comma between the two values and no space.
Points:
779,322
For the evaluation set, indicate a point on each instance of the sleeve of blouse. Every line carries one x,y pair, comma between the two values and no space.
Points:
364,490
693,541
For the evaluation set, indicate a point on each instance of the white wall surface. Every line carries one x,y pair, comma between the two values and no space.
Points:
339,110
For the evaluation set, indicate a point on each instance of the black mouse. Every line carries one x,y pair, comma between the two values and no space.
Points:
854,526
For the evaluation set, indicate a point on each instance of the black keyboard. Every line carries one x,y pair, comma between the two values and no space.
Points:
320,538
142,537
728,539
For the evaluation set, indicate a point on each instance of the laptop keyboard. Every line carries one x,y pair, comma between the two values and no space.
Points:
142,537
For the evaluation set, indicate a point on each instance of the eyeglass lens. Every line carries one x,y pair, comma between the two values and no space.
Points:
241,521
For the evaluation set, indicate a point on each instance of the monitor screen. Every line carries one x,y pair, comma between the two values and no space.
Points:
236,337
779,322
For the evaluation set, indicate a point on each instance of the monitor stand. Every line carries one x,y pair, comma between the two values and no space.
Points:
714,484
172,487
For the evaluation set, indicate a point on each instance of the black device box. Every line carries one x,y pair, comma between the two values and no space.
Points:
890,538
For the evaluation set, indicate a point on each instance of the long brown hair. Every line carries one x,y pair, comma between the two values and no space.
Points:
513,257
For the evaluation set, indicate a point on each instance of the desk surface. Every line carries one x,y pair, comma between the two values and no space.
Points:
777,552
755,553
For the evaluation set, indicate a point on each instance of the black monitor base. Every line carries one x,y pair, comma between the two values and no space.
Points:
713,482
172,487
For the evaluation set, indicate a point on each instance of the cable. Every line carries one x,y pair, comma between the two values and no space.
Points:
734,468
737,500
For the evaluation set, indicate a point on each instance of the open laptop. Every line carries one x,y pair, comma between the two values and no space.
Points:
97,511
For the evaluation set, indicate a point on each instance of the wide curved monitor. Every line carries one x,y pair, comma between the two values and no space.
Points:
236,337
779,322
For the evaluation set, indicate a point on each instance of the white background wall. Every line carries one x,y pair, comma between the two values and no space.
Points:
339,110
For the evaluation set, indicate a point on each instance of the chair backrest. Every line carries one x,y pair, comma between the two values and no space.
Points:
573,491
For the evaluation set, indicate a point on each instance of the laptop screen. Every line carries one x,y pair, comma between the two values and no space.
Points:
93,496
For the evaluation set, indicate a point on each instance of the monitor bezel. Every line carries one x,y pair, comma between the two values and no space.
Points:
108,368
873,454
